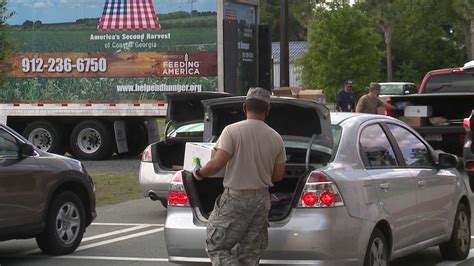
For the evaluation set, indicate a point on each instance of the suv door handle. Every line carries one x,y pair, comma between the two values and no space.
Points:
385,186
422,183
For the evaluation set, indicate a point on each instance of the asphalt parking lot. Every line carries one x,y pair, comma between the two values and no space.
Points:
131,233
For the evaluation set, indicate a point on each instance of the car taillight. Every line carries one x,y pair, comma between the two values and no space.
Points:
458,70
177,195
320,191
388,112
469,166
467,123
147,156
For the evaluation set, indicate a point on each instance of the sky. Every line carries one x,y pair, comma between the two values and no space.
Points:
55,11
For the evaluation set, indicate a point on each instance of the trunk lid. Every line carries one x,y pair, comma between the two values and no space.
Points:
288,116
187,107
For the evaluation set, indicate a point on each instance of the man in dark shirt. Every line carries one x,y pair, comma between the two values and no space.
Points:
345,98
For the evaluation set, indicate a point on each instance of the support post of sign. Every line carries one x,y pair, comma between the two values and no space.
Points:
284,50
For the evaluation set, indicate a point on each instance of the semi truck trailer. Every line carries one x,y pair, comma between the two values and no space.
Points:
91,77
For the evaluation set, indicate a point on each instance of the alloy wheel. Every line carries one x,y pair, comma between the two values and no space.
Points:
463,231
378,256
68,223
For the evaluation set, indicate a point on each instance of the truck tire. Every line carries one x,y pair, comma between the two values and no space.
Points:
136,138
92,140
65,225
45,135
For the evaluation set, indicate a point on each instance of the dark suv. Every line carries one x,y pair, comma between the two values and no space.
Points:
42,195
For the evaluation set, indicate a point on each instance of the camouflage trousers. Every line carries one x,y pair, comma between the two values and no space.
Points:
237,231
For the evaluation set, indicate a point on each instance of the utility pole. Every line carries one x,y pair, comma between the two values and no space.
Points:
284,50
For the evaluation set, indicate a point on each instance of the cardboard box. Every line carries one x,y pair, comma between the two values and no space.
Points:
418,111
414,121
199,151
287,91
313,95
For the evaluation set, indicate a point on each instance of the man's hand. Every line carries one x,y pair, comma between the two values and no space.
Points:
196,174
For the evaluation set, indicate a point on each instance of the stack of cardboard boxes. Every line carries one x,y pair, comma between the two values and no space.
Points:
313,95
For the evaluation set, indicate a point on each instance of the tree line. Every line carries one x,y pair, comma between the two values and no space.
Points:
376,40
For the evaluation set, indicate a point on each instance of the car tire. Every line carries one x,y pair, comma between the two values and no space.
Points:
45,135
92,140
164,202
458,246
377,249
65,225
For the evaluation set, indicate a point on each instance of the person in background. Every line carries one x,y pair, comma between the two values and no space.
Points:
254,156
370,102
345,98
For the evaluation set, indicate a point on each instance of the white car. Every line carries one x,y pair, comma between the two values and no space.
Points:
161,160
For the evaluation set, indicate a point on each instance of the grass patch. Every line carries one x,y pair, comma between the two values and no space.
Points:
115,187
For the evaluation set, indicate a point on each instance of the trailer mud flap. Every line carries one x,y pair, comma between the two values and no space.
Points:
120,136
152,130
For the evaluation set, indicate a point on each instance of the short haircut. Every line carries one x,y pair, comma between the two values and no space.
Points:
256,106
374,86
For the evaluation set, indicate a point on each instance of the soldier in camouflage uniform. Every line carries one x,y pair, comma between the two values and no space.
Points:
254,156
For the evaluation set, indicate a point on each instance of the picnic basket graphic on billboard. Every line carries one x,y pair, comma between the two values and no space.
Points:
129,15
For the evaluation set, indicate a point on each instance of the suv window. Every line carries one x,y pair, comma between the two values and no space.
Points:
8,144
415,153
376,150
453,82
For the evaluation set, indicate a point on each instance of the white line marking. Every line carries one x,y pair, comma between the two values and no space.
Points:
116,232
113,240
125,224
111,258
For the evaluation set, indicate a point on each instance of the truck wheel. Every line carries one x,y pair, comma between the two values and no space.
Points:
136,138
65,225
92,140
458,246
45,135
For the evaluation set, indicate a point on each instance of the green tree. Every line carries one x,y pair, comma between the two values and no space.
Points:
300,14
342,44
465,8
421,42
5,42
386,14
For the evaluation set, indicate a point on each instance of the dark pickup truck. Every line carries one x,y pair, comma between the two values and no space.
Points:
450,95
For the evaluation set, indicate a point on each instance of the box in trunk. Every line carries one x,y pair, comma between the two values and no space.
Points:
199,152
287,91
414,121
418,111
313,95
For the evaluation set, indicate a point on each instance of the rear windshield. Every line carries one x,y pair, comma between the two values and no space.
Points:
391,89
452,82
397,89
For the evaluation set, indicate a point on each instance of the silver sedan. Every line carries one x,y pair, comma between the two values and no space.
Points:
377,193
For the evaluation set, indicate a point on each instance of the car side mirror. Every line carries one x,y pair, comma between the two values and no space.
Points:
26,150
447,160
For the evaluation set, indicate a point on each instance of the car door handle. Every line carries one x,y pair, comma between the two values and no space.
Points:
385,186
422,183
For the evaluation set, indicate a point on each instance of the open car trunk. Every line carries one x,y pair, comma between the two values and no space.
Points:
447,136
306,130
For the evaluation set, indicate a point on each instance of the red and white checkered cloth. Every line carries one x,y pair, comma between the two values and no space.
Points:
129,15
